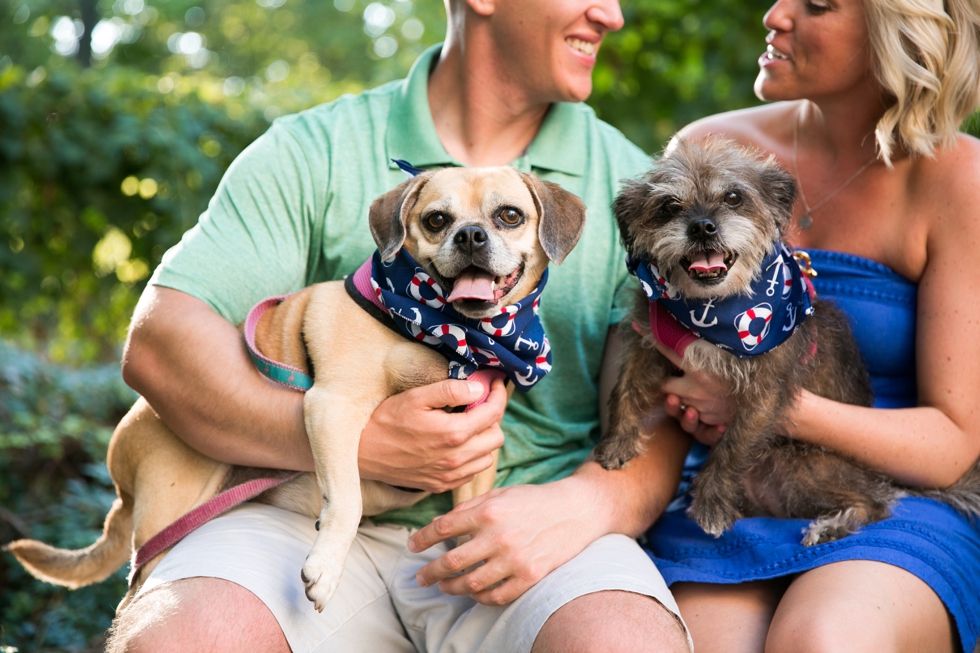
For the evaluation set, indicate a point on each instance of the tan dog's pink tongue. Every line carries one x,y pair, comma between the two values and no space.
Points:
708,262
472,284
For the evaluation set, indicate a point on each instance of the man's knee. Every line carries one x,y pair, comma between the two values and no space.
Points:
196,614
612,621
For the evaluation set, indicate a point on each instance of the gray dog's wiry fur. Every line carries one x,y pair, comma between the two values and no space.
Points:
753,470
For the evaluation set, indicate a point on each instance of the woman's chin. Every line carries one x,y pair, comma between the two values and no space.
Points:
768,90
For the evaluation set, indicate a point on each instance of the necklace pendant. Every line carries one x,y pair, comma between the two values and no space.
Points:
805,221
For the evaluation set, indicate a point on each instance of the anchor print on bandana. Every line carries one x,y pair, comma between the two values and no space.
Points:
512,341
747,326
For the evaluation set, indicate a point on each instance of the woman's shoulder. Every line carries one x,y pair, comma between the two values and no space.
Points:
952,173
764,127
943,193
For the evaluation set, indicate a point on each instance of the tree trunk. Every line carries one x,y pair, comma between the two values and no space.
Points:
89,18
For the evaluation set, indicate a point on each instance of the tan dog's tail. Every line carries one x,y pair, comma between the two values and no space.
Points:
83,566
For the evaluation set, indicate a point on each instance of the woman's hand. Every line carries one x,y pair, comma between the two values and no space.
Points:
520,533
411,441
700,402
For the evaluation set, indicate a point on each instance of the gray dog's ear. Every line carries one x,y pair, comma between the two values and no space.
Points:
631,204
561,216
389,213
779,189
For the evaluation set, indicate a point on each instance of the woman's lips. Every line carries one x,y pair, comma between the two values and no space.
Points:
772,55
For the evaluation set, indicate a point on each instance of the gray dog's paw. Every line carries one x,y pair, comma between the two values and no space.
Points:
830,528
714,517
614,454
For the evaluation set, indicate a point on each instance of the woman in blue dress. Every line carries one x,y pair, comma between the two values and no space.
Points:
867,99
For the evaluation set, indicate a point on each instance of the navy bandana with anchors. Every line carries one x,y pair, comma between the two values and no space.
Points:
746,326
512,341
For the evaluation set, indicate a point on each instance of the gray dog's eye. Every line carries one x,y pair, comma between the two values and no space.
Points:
733,198
509,216
436,221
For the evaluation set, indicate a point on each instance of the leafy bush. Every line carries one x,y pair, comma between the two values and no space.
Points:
99,174
676,61
55,424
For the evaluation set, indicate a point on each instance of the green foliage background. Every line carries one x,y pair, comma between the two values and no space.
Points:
106,158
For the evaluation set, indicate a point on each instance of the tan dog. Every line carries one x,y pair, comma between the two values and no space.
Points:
486,233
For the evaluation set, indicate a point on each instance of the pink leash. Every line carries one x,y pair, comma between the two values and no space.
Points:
199,516
292,378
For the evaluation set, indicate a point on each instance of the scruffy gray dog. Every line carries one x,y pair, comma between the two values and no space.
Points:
706,225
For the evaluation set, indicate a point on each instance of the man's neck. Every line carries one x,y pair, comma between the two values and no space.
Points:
482,118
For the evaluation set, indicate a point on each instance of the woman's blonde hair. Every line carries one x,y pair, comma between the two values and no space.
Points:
926,54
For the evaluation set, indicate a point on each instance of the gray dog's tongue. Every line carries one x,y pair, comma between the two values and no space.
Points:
473,284
709,262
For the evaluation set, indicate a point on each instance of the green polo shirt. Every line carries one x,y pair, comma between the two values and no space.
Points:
292,211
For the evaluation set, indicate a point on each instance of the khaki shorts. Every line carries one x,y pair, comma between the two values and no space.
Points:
378,605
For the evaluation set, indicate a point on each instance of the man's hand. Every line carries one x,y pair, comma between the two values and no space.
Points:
412,441
522,533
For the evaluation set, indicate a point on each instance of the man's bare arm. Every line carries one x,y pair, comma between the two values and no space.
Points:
524,532
193,368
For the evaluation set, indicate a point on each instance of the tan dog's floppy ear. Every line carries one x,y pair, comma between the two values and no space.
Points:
561,216
389,213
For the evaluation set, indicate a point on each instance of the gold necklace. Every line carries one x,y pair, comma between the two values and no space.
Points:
805,220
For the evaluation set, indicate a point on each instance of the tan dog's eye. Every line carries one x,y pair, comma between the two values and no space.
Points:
436,221
511,217
732,198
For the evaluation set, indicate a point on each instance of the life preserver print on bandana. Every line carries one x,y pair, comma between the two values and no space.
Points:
747,326
512,341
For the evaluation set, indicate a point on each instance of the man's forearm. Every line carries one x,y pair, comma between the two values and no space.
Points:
630,499
191,365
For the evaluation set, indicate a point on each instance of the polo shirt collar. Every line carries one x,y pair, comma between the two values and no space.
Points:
560,144
411,135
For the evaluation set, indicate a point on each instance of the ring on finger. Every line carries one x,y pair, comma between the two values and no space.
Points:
683,408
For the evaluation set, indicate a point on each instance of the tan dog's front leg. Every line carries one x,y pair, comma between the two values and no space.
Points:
481,483
334,422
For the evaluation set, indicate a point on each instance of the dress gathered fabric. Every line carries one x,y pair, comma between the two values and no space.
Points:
925,537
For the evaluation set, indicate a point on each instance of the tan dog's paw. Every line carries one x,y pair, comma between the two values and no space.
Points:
321,576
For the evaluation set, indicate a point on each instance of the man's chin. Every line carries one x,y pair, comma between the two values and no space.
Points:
578,91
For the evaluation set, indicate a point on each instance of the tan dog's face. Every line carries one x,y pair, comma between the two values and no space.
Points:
484,234
707,215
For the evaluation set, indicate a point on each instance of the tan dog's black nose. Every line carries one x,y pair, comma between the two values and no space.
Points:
702,229
471,238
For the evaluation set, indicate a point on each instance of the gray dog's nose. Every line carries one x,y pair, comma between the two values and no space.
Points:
471,238
702,229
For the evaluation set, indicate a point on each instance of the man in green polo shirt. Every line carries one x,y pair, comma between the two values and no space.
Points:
503,89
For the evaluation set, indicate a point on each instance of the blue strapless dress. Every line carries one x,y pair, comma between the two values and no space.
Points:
924,537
